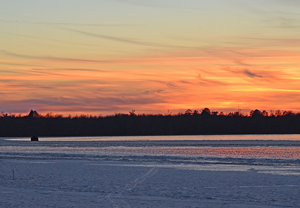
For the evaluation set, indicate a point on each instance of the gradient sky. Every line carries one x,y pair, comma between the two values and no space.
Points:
113,56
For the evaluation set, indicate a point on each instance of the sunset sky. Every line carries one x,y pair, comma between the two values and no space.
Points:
155,56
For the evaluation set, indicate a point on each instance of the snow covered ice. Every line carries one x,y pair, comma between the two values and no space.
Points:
144,174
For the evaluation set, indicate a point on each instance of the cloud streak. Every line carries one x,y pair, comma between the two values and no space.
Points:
84,104
157,4
142,3
49,39
50,58
64,23
124,40
256,74
251,74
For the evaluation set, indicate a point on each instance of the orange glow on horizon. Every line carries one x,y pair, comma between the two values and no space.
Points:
173,84
153,59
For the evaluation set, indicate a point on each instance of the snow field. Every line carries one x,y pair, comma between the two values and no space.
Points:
98,183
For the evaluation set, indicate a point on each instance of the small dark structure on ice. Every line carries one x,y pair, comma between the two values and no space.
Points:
34,139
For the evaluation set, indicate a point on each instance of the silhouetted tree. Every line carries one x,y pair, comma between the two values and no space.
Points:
205,112
33,114
258,122
256,113
214,113
132,113
278,113
196,112
188,112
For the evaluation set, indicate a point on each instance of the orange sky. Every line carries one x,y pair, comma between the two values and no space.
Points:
153,57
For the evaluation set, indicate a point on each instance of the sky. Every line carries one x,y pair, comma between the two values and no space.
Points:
101,57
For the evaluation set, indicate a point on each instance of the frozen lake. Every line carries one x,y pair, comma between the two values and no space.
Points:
181,171
291,137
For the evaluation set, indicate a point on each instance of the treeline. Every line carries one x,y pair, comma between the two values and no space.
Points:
191,122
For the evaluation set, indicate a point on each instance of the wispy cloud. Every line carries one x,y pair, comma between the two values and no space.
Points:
283,22
144,3
50,58
210,82
257,74
123,40
62,104
166,4
251,74
54,40
153,91
275,42
63,23
14,64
